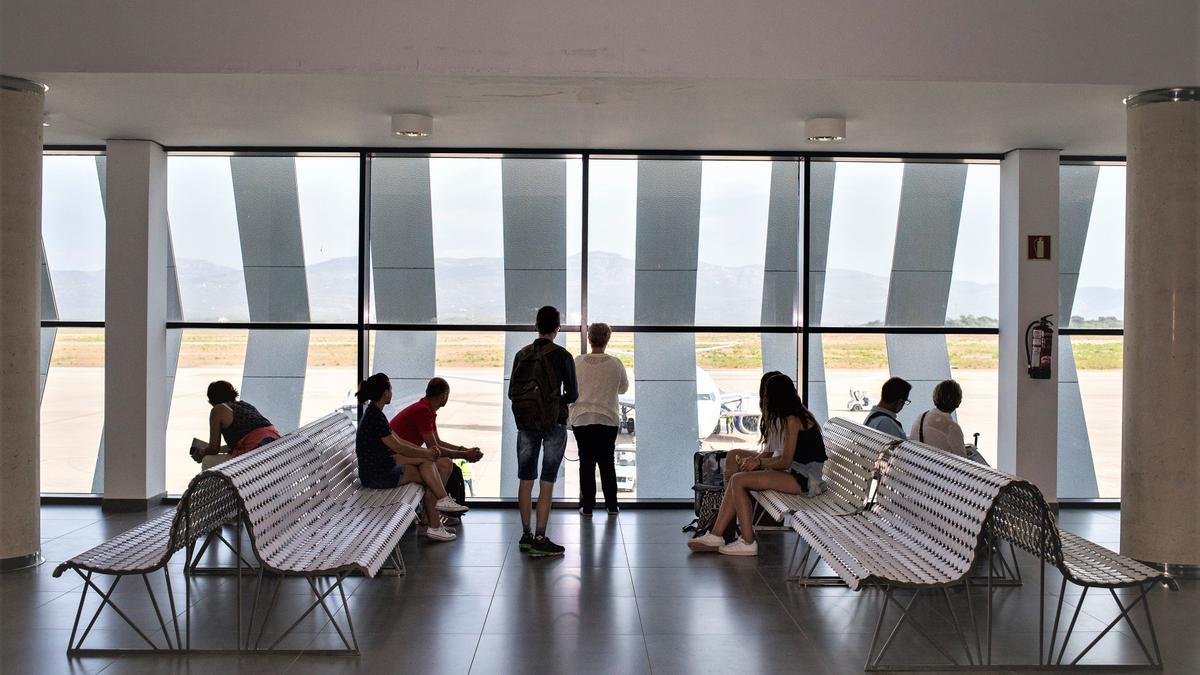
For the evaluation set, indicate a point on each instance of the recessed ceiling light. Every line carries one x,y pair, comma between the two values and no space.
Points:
825,129
412,125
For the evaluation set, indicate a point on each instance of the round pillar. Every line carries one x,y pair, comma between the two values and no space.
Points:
21,109
1160,463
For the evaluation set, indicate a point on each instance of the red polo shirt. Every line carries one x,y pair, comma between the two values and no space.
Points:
415,421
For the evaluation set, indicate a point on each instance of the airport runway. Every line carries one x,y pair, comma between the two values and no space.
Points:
72,418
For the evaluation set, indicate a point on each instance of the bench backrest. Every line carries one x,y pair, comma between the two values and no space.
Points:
854,452
281,486
939,501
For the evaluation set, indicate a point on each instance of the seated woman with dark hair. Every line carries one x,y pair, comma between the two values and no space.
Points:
797,469
386,461
241,425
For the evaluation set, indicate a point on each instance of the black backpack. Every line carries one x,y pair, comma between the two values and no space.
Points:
534,389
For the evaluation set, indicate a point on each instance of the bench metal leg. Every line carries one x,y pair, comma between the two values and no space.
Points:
106,600
875,658
320,602
1124,615
805,572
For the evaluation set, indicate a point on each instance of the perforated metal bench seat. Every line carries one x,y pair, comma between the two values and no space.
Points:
139,550
1087,563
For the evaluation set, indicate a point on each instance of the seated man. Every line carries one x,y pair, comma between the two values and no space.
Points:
417,424
892,400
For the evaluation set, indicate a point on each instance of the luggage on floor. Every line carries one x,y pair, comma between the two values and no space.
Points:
708,469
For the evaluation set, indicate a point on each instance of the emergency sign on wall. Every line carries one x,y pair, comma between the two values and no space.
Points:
1039,247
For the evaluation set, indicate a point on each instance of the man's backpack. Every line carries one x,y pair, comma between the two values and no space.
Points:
534,389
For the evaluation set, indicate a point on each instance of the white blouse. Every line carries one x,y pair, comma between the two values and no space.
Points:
601,379
938,429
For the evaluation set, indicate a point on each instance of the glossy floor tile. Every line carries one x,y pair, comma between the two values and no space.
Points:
627,597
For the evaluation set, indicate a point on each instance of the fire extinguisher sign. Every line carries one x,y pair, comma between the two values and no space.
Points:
1039,247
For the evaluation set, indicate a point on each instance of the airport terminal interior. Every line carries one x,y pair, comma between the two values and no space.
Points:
290,199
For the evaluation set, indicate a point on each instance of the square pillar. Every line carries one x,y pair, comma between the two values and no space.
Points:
1028,410
135,334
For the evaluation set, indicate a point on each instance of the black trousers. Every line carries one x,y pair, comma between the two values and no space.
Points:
597,447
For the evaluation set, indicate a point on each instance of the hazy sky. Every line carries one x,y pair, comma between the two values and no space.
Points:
466,200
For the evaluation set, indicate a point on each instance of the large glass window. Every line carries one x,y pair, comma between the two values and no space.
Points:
72,358
906,244
1091,293
675,246
696,262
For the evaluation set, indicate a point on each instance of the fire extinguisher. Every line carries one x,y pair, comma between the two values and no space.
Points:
1039,346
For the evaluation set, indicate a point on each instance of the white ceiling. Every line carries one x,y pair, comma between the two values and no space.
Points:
352,111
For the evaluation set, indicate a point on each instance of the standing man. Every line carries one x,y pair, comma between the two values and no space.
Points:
465,469
417,424
892,400
541,388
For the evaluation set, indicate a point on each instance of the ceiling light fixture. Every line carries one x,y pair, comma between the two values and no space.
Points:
825,129
412,125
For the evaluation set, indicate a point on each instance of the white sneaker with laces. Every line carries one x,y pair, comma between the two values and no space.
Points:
440,534
739,547
448,505
706,543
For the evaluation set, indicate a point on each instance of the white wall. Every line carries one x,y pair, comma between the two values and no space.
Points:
1063,41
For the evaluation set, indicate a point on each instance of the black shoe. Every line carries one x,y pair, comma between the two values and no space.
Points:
585,512
542,546
526,542
614,511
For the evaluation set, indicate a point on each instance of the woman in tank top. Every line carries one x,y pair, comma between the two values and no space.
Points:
239,423
802,446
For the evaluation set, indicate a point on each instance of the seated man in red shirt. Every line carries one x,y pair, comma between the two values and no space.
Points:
417,424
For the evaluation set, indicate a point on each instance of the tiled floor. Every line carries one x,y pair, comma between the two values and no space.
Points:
627,598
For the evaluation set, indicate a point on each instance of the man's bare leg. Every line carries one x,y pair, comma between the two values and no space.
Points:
525,503
545,501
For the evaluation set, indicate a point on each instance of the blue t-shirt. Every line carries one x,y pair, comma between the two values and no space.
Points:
375,462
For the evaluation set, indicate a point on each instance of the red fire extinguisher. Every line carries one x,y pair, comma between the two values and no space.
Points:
1039,346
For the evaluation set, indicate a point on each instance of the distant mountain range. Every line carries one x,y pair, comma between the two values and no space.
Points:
213,293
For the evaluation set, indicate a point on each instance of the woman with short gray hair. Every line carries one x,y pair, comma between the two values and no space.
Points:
936,427
596,417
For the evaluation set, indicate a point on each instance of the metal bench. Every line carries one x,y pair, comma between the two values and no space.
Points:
932,520
304,512
855,452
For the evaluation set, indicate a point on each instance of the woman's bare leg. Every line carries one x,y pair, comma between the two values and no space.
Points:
739,493
731,462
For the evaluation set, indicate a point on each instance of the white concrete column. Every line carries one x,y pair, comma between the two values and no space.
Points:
135,334
21,105
1028,414
1160,462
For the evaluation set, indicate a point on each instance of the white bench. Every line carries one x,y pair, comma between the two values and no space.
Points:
932,519
305,514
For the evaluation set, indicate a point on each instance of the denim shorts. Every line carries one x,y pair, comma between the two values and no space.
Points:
553,444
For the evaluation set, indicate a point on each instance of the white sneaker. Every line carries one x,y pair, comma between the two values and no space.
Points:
440,534
448,505
739,547
707,543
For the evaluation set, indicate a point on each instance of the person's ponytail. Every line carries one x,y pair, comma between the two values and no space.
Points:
372,388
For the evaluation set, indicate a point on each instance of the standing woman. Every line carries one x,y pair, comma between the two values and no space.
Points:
595,417
238,422
386,461
801,446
